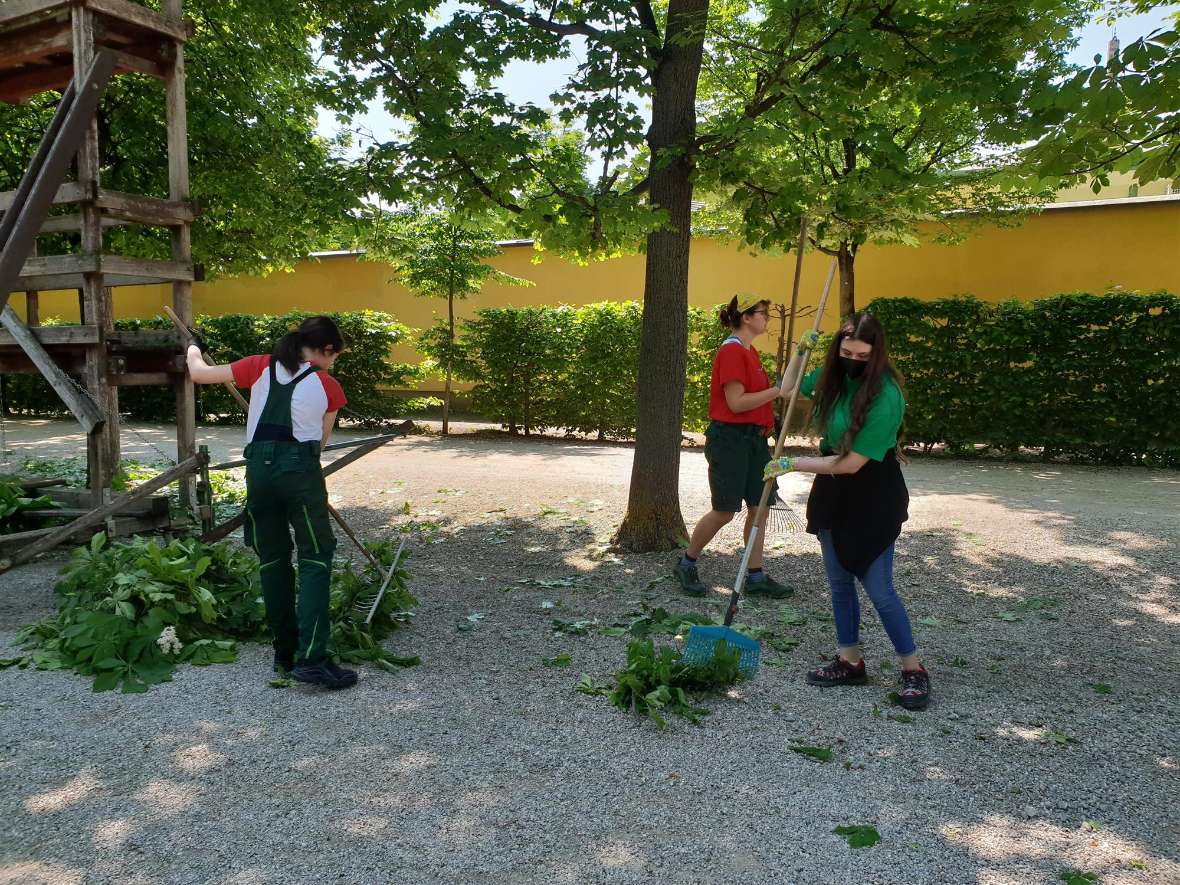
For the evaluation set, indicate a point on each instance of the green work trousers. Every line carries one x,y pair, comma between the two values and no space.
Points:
285,493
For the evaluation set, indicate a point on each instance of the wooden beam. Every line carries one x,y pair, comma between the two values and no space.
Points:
69,271
51,335
35,43
14,10
88,413
72,223
141,16
123,525
141,379
363,447
26,82
69,192
33,198
99,514
145,210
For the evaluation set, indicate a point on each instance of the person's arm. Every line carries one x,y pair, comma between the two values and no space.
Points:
329,421
797,362
203,373
739,401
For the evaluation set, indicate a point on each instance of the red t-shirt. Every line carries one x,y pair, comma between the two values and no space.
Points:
310,401
736,362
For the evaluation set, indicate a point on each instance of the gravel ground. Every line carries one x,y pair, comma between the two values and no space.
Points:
483,765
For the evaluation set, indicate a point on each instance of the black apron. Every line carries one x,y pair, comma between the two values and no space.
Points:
863,510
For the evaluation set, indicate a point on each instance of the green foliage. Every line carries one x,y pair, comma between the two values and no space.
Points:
572,368
364,370
14,502
859,835
1117,115
597,393
1079,375
116,601
128,612
898,119
516,358
268,186
353,592
656,681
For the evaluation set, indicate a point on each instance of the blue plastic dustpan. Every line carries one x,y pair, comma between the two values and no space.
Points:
702,646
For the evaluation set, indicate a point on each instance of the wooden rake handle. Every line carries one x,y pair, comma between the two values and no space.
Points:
186,337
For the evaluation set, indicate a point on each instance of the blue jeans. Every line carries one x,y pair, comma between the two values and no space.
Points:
878,583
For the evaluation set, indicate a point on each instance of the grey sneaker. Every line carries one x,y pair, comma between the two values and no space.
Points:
768,587
690,581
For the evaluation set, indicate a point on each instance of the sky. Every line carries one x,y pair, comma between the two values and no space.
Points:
534,83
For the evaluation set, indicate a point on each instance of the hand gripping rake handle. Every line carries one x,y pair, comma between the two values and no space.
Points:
186,335
760,513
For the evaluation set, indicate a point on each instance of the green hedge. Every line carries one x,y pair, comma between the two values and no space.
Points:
1090,376
364,369
573,369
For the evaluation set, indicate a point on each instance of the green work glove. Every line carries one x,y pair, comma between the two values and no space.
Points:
778,467
808,341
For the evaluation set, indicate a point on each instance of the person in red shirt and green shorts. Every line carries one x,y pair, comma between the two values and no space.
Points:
737,445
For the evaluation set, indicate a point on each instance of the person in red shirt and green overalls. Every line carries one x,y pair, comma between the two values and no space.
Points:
737,445
293,405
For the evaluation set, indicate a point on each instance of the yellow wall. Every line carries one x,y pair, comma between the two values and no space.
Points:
1062,249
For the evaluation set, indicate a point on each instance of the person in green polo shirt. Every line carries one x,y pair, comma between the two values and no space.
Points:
859,498
736,446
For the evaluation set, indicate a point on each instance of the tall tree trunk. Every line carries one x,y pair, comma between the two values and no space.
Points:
847,260
450,352
653,520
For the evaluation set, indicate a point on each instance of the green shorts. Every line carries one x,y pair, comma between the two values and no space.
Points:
736,454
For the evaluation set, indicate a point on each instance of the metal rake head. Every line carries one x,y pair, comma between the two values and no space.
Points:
781,520
367,607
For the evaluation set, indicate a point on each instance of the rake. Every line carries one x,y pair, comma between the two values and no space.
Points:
704,642
368,607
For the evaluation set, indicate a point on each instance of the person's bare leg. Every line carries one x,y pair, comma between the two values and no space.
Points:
706,529
756,553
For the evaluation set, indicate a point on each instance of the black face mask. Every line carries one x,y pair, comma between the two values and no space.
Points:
853,368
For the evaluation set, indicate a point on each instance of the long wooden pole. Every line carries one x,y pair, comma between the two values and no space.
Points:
760,513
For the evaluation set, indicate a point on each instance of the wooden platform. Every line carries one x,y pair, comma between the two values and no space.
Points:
36,42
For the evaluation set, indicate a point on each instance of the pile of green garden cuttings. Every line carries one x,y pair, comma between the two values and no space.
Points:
129,612
656,680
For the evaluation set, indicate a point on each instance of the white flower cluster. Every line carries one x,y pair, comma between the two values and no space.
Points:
169,642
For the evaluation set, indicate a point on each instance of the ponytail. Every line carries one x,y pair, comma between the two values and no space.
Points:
314,333
739,306
730,316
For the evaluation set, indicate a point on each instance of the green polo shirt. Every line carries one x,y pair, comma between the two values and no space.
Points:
878,436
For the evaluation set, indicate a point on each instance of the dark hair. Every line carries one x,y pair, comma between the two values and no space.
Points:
731,317
859,327
315,333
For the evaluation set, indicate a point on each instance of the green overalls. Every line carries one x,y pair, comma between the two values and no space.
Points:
285,487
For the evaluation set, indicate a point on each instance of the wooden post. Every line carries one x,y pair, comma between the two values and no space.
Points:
33,300
182,292
102,446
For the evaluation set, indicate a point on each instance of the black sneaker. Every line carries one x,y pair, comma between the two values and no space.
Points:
915,689
690,581
839,672
284,663
768,587
327,675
